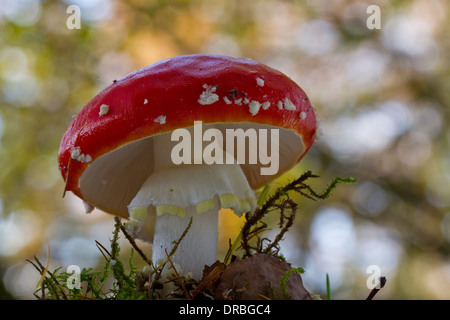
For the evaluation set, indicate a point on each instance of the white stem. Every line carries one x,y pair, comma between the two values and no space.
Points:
172,194
199,246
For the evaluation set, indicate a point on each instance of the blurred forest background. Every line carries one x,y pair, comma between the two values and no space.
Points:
383,96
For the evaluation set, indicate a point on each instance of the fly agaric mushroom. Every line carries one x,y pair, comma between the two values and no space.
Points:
117,154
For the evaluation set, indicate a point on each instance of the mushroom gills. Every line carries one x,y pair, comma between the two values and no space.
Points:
173,194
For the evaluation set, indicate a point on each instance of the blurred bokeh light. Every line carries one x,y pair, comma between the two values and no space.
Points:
383,97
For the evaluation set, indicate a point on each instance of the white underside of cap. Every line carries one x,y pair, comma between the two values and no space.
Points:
196,185
198,189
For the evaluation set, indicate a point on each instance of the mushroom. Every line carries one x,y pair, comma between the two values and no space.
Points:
118,153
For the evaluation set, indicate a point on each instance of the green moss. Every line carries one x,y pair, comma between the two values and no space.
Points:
285,278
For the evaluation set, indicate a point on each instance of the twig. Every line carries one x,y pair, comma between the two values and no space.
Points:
135,246
214,273
263,296
45,269
280,201
101,248
177,243
171,254
188,296
158,270
41,269
285,228
377,288
42,286
260,212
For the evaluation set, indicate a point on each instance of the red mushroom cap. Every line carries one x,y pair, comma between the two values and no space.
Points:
172,94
